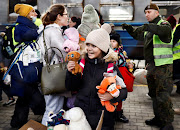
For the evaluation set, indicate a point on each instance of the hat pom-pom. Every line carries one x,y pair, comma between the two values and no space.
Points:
88,8
107,27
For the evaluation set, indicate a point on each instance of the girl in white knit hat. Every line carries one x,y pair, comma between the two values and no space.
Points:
96,61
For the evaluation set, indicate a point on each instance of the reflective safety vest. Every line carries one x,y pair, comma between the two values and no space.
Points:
176,48
38,22
162,51
14,42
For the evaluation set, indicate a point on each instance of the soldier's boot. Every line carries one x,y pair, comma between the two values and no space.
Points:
177,111
153,122
167,127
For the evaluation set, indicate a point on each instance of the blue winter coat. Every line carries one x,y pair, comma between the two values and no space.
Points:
22,76
25,31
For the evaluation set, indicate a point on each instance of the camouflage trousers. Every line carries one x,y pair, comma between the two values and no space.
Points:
160,84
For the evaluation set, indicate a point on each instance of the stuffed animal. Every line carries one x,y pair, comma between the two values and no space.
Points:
60,127
56,119
74,56
108,84
30,128
77,119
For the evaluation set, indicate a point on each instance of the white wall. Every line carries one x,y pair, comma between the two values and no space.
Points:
4,6
43,5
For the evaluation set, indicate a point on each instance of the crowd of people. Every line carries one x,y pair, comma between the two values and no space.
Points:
100,46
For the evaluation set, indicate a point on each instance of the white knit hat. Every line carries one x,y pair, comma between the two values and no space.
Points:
101,39
107,27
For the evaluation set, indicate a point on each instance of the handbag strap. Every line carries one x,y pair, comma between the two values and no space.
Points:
46,52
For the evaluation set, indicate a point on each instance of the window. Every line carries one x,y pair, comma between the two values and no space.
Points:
117,10
75,7
168,7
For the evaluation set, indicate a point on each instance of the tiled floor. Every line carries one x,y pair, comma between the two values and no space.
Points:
137,107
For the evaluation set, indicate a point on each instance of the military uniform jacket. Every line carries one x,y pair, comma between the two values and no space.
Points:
163,31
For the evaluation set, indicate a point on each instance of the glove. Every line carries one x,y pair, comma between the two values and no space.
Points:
128,27
125,26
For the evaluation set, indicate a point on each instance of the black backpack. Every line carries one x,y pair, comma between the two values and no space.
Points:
7,46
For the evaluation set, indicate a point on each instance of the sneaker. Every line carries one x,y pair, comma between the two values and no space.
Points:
148,95
123,119
9,102
120,117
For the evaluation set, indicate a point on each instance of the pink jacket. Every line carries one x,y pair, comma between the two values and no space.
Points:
71,39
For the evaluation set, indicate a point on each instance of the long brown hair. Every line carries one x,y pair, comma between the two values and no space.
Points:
50,16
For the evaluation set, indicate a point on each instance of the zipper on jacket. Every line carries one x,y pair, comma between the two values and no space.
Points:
94,67
95,61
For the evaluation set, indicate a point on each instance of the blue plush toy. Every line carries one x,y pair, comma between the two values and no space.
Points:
56,119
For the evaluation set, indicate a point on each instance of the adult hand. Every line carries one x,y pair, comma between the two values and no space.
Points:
105,97
67,49
71,66
3,69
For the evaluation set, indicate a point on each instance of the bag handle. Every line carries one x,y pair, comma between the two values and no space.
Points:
46,53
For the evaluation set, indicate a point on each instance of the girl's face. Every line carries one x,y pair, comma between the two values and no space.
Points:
93,51
71,23
114,44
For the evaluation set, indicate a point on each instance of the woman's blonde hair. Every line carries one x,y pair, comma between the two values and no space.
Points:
50,16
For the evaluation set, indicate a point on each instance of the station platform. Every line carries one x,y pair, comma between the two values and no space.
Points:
137,108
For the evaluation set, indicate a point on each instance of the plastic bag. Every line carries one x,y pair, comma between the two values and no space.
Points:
140,76
7,80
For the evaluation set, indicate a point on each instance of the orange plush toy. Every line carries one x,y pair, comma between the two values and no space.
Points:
108,84
74,56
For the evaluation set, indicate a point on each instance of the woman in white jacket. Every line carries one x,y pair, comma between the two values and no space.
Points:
53,20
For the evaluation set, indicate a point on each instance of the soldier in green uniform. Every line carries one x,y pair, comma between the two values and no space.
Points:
159,57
